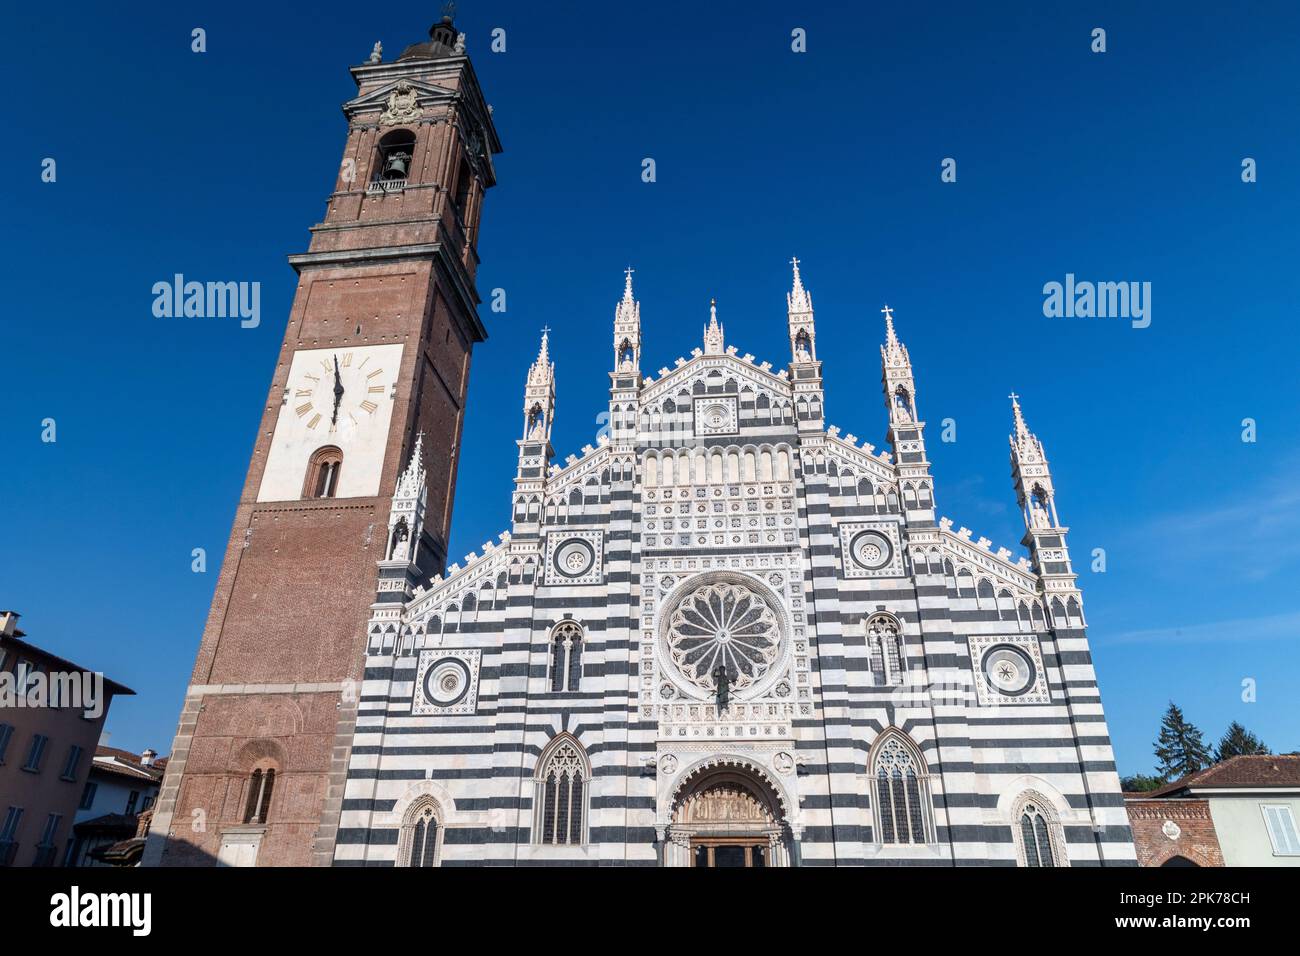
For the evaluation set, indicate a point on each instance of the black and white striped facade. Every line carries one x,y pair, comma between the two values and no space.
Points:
897,694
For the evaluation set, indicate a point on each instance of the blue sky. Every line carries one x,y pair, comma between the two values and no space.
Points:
1122,166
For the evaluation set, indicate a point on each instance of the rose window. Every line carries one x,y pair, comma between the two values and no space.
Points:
723,625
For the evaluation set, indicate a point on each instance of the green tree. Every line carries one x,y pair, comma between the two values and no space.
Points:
1140,783
1237,742
1180,748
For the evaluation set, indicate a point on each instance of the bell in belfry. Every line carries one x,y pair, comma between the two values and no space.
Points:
397,165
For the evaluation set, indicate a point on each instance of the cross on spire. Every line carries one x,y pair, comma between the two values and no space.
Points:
888,312
543,353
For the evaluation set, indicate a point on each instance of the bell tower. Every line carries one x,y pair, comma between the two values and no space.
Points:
376,353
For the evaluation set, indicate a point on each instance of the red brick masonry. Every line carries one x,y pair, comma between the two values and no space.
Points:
1194,840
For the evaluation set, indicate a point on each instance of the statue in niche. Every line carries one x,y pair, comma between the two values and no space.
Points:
401,542
536,422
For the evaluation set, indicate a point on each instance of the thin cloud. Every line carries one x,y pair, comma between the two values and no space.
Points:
1237,630
1255,533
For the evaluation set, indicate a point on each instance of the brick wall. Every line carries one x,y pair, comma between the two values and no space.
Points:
1194,839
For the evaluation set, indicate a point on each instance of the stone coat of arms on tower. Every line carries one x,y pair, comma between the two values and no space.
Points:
402,106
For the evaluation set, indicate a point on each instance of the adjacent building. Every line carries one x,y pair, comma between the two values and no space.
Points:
1241,812
122,786
52,713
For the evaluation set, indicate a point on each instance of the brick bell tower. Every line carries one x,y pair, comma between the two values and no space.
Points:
377,351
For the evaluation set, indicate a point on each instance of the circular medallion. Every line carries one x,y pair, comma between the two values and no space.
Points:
871,550
446,681
1008,669
1171,830
717,416
574,558
723,624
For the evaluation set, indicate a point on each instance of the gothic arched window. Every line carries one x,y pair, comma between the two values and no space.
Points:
885,647
561,794
1038,835
323,473
901,791
421,834
257,804
566,657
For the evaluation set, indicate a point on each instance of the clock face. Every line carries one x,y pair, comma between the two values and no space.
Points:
341,393
333,398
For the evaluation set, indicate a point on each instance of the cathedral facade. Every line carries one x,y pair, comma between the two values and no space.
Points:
730,635
726,635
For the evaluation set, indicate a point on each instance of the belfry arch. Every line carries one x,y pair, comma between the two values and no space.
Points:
728,813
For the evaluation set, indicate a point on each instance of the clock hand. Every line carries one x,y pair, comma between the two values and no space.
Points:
338,392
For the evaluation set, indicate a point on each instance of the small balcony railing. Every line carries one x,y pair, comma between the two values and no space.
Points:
382,187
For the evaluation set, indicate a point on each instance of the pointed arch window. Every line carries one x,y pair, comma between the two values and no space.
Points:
566,658
323,473
1039,838
420,841
901,792
885,647
561,791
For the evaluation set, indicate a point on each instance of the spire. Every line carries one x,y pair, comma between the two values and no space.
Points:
406,515
627,330
1022,430
411,482
1032,474
893,353
539,394
1025,445
713,334
543,367
803,334
798,301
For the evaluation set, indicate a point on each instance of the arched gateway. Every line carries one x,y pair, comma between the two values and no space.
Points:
725,817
